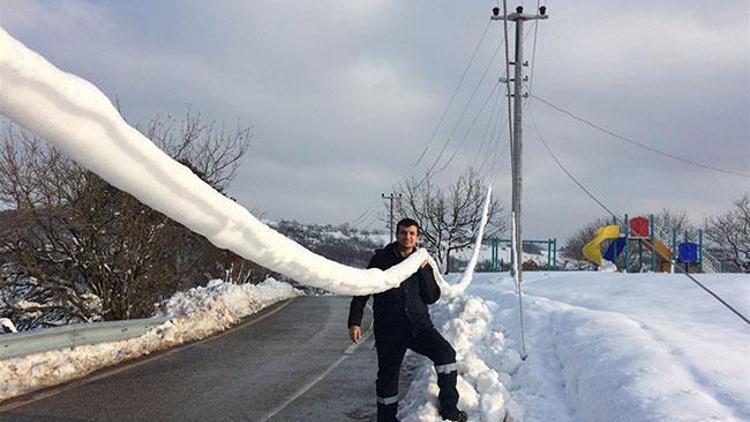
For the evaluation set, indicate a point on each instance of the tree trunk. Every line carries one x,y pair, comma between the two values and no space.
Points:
447,261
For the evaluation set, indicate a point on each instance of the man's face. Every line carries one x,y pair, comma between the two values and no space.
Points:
407,237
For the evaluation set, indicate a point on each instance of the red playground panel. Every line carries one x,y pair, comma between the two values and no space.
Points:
639,227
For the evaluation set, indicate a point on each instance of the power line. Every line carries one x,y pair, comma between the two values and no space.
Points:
463,112
637,143
533,50
427,146
489,131
680,269
468,130
562,167
496,154
453,96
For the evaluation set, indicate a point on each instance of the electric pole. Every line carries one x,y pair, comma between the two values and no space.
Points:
516,145
516,141
391,196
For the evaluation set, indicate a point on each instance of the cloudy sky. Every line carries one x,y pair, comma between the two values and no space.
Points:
345,94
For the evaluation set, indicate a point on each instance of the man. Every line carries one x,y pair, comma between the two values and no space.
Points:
401,322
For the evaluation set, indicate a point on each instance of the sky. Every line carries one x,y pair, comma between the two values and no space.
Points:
343,96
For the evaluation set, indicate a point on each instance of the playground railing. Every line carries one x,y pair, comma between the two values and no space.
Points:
709,263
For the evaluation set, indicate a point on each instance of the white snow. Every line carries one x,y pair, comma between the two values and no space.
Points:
602,347
478,237
7,326
198,313
77,117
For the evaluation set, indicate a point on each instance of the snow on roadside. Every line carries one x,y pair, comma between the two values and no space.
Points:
485,363
602,346
195,314
626,347
7,326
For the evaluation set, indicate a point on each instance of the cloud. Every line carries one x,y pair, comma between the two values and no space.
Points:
344,94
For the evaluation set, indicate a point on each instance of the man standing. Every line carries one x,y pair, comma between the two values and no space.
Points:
402,321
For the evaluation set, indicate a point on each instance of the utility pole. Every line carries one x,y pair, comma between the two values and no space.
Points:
516,141
391,196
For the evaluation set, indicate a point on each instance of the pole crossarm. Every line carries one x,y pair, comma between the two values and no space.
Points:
518,15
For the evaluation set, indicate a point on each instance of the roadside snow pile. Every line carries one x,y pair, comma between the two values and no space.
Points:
602,347
485,362
198,313
7,326
627,347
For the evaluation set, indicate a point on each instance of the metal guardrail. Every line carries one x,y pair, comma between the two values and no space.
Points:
25,343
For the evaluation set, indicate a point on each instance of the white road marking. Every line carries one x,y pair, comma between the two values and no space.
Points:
305,388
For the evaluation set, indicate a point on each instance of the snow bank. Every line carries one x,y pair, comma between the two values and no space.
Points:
626,347
78,118
485,363
601,347
7,326
198,313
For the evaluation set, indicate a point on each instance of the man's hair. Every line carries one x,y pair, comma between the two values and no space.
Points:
408,222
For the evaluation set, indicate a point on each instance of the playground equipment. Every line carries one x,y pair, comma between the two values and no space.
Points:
592,251
495,263
649,237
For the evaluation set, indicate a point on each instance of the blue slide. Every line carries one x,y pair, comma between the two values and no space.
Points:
615,249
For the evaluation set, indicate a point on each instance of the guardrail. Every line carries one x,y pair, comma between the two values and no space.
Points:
25,343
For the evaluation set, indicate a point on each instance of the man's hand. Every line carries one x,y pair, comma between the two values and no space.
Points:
424,264
355,333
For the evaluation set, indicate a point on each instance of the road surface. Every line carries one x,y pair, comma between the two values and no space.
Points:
291,362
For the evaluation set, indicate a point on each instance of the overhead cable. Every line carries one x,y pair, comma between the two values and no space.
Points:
453,96
468,130
648,243
451,135
440,120
637,143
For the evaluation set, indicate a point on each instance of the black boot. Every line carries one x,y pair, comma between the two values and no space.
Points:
457,415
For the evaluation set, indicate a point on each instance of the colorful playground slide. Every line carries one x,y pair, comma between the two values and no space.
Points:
664,254
593,251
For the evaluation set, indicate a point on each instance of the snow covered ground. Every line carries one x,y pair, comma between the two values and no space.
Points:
601,347
195,314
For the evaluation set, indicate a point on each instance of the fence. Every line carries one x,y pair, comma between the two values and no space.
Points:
69,336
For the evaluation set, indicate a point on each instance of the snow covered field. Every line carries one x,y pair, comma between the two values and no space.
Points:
601,347
195,314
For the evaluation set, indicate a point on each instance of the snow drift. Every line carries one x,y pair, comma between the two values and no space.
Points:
195,314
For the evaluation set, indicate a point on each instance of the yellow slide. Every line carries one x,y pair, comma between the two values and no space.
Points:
593,251
664,254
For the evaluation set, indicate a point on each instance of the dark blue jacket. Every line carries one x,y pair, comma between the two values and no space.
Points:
401,310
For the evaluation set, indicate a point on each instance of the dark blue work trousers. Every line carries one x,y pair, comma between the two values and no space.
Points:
391,350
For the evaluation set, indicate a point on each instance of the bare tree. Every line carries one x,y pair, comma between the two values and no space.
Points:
669,220
78,249
730,234
449,216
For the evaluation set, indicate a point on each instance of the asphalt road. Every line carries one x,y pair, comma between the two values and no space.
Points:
291,362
